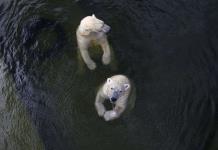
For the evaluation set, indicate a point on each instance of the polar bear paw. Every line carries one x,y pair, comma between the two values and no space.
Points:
110,115
106,59
91,65
101,112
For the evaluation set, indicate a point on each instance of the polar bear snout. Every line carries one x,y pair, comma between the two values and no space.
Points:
106,28
113,99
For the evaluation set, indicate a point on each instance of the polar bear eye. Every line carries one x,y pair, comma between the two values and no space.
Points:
112,88
121,91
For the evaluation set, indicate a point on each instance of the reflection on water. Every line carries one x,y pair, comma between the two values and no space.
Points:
16,128
166,48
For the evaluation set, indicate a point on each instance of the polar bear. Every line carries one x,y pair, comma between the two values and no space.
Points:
91,29
117,90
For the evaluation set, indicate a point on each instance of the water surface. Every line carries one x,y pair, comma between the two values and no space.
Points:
167,48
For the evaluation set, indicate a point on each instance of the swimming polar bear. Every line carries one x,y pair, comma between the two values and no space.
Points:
117,90
93,29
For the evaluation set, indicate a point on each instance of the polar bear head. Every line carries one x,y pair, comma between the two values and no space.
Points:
115,89
91,24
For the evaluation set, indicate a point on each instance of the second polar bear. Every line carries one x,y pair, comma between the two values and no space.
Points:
117,90
93,29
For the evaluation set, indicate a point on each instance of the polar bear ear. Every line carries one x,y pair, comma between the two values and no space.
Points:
126,86
109,80
93,15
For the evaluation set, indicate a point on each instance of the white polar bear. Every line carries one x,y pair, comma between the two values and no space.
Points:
117,90
93,29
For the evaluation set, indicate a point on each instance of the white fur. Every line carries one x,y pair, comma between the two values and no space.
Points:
116,84
93,29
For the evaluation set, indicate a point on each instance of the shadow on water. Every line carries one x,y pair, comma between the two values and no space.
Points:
167,48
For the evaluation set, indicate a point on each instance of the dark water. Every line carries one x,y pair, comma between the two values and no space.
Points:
168,48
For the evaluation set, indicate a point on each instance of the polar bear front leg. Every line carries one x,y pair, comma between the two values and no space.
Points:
106,58
110,115
113,114
99,104
89,62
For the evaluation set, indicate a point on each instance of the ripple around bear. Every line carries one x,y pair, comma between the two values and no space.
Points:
117,90
93,29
